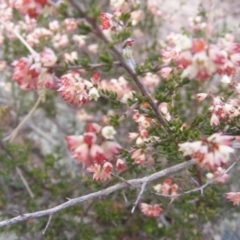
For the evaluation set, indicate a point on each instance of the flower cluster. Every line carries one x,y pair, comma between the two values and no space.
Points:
211,152
150,210
220,110
151,81
223,110
140,155
30,7
101,172
201,61
120,86
219,175
77,90
29,73
94,149
196,23
166,188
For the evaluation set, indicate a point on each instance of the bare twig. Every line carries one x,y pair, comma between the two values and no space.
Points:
139,196
98,194
13,135
47,225
24,182
201,188
42,133
79,67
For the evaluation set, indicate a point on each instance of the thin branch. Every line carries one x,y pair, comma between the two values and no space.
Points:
13,135
92,66
211,181
42,133
47,225
201,188
24,42
99,194
24,182
139,196
154,69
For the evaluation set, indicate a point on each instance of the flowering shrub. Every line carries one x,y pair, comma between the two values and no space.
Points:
151,118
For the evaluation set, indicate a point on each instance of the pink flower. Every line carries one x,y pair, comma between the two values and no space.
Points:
111,148
26,72
73,141
166,72
150,210
211,152
233,197
49,81
107,167
201,96
166,186
151,81
95,77
218,56
235,59
163,107
96,169
89,138
133,135
121,165
81,153
168,56
138,156
97,154
93,127
228,68
174,189
106,21
48,58
30,7
233,48
101,173
184,59
214,121
198,45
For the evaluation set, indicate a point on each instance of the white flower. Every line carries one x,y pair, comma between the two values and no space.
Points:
116,3
93,94
158,188
209,176
70,57
183,42
226,79
108,132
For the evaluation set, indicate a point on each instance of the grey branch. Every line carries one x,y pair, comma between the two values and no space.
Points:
99,194
201,188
